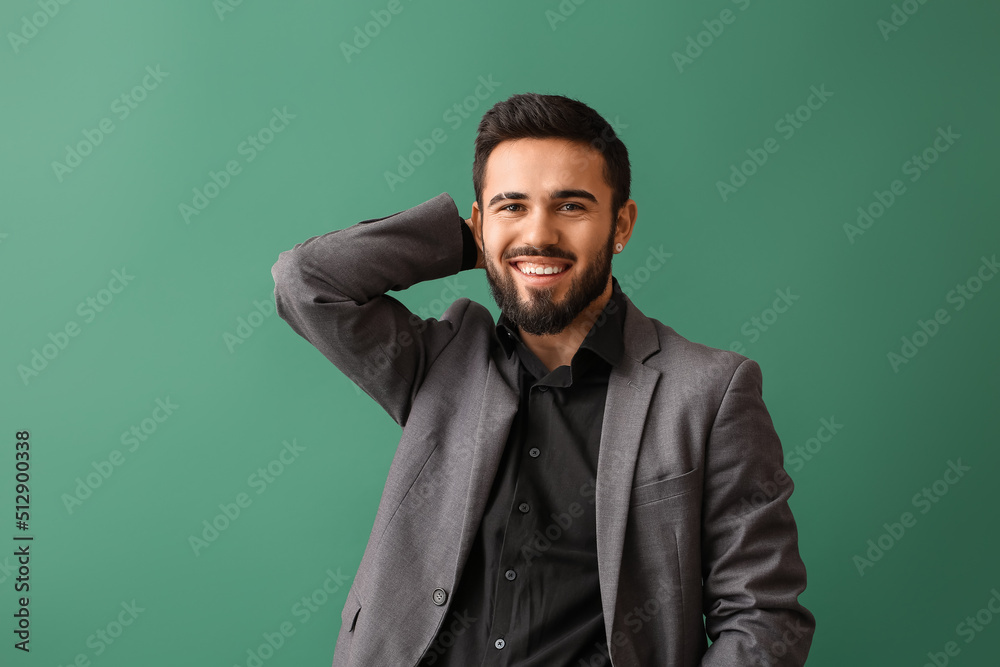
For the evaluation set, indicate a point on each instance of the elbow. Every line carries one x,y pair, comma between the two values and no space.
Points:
285,269
289,275
288,282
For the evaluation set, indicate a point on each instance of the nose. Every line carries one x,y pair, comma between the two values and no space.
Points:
540,229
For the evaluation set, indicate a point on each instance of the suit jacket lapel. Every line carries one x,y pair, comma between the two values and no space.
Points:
499,406
630,390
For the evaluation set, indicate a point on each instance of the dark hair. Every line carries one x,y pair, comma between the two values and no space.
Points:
530,115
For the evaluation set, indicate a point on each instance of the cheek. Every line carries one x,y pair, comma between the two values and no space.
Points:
495,246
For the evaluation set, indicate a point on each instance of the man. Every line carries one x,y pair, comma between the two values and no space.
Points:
576,484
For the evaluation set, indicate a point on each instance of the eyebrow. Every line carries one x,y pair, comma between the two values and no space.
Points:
558,194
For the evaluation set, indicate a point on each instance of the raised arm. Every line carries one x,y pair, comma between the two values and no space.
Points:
331,289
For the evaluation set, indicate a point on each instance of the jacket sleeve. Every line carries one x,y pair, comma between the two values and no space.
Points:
751,566
331,289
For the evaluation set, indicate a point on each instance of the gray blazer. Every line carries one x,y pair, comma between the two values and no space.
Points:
691,494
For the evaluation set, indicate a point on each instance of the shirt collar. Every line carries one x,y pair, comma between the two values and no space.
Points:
605,338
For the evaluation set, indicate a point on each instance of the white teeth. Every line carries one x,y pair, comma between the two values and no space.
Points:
539,269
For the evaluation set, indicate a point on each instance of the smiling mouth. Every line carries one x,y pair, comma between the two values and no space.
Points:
539,269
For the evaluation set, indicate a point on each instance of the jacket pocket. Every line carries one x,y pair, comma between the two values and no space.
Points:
345,638
352,609
667,487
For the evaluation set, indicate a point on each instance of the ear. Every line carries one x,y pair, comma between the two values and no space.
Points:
477,224
625,222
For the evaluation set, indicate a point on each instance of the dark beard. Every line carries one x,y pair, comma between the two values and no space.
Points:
542,317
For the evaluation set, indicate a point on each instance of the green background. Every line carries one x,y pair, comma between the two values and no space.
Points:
168,334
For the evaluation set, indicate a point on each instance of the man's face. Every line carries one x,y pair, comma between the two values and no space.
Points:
547,231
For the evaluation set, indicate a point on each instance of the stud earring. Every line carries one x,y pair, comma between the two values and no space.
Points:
618,247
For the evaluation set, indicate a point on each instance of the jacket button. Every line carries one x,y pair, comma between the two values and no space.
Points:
440,596
534,452
499,643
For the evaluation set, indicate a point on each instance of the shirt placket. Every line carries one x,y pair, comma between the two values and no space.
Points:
521,519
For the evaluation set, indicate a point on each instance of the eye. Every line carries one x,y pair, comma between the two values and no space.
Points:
507,207
578,206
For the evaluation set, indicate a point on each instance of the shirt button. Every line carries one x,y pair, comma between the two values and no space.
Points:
534,452
523,507
510,574
439,596
499,643
543,388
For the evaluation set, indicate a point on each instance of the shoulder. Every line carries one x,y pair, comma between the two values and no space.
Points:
678,350
681,360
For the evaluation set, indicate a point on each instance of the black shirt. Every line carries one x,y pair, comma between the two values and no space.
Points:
529,594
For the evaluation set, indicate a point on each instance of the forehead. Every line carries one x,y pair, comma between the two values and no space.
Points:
544,165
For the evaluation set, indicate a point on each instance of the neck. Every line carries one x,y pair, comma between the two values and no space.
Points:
557,350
